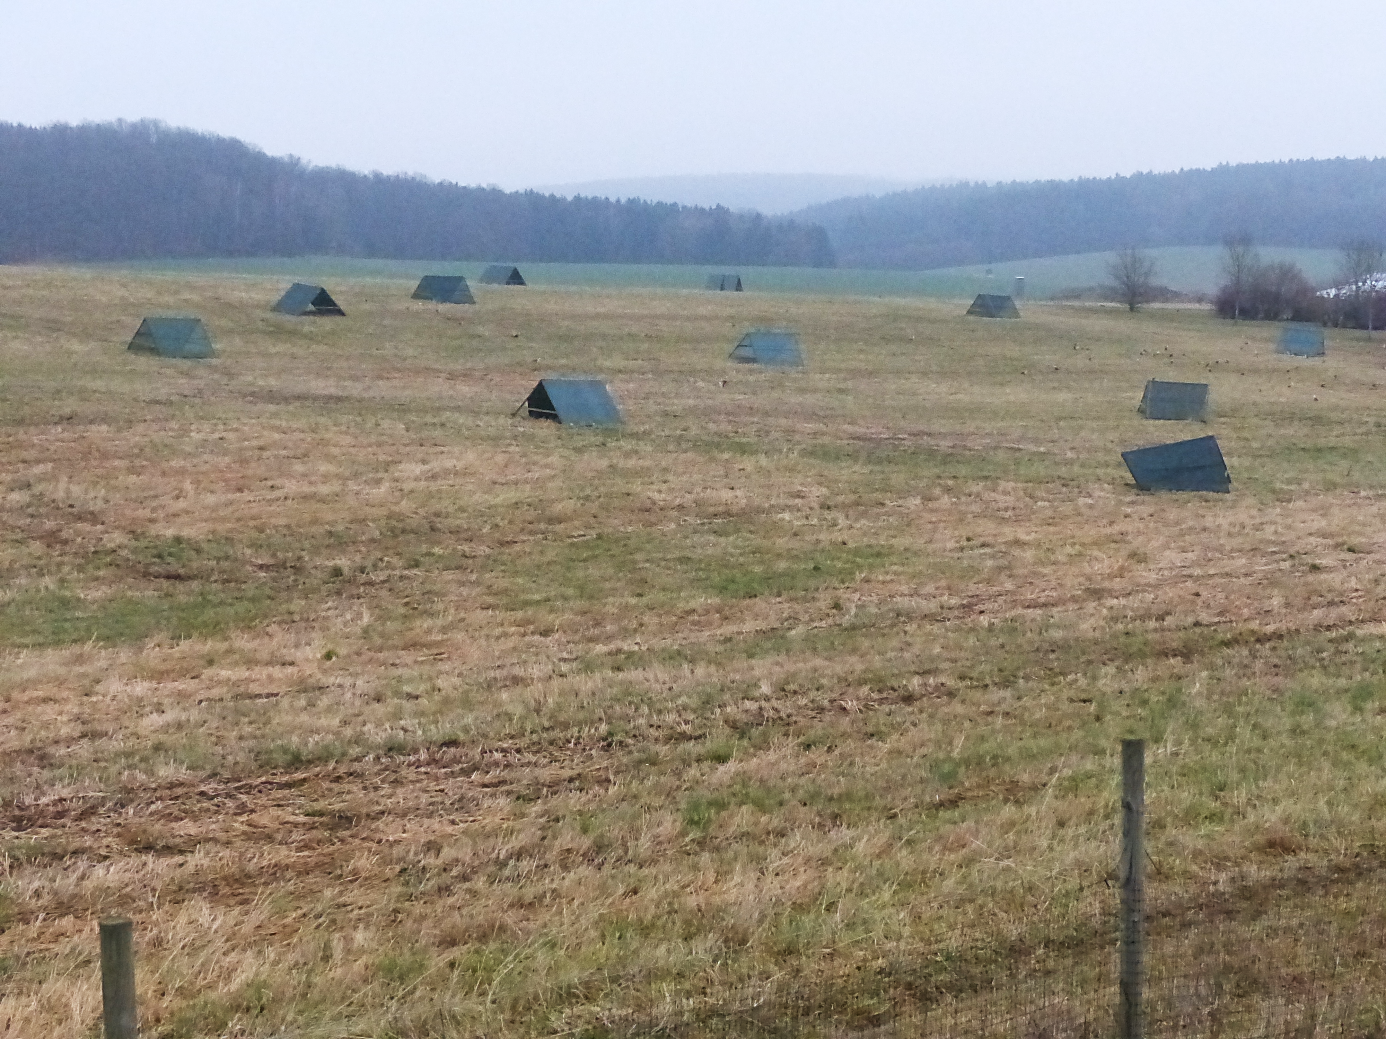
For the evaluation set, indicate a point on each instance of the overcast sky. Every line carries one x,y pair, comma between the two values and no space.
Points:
523,92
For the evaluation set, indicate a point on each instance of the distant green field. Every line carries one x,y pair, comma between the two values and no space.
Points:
817,281
1188,269
1185,268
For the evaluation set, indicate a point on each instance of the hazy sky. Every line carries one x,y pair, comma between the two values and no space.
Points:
522,92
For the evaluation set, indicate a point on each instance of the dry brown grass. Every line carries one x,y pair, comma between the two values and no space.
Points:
385,713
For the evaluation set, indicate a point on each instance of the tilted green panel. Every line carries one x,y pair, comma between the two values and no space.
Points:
1301,340
1189,465
1177,401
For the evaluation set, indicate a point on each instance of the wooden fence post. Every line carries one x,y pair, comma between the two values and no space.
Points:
118,978
1130,1018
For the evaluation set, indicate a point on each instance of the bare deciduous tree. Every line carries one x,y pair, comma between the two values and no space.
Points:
1283,290
1240,265
1358,268
1133,277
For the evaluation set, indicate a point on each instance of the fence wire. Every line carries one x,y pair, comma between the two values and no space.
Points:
1296,952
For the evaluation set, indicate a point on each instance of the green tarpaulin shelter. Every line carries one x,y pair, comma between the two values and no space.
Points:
173,337
1190,465
992,306
1301,340
773,346
1176,401
443,288
573,402
308,301
500,274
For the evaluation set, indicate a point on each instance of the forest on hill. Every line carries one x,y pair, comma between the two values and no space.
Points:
1306,203
143,190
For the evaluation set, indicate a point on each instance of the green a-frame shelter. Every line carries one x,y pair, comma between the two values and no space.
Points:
777,347
988,305
502,274
573,402
181,337
308,301
444,288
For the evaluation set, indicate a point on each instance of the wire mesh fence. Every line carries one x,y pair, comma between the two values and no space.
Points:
1297,952
1291,952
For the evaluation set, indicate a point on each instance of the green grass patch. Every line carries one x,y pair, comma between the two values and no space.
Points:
750,577
61,618
701,809
642,565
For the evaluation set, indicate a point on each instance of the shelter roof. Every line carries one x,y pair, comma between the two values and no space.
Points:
502,274
1178,401
1189,465
304,300
444,288
1301,340
987,305
573,402
773,346
183,337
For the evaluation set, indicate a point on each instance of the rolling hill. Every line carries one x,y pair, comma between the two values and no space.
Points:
1302,204
768,193
131,190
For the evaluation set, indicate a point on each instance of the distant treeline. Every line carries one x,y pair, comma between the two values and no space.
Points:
144,190
1310,203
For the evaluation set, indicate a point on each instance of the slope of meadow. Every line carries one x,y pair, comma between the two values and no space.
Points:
384,712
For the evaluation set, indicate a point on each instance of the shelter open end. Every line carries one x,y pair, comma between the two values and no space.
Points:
1176,401
1189,465
444,288
778,347
308,301
724,282
1301,340
573,402
184,337
986,305
502,274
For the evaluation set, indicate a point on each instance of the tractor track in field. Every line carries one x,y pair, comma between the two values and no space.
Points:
405,778
333,808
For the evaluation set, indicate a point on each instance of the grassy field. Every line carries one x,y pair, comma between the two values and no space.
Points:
386,713
608,276
1187,269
